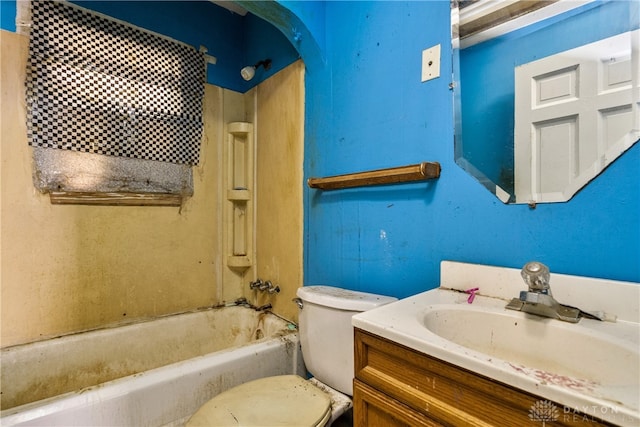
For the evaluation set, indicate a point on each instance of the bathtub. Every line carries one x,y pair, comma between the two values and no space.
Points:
152,373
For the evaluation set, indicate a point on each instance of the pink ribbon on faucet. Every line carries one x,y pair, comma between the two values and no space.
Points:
472,294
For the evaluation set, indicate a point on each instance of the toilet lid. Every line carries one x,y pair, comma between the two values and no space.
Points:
284,400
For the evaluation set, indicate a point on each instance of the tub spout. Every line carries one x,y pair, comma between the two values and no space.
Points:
241,301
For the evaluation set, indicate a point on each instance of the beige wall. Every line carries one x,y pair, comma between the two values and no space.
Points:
279,228
68,268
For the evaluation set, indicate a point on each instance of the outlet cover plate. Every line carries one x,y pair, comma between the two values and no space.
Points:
431,63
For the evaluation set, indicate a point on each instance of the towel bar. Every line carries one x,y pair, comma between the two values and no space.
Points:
419,172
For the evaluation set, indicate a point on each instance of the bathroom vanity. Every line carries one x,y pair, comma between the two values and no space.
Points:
397,386
443,358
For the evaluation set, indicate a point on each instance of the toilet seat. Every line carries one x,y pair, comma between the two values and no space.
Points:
283,400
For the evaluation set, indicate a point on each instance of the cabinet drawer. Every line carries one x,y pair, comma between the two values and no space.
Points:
444,392
375,409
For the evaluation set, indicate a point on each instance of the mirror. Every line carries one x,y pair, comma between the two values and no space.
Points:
546,93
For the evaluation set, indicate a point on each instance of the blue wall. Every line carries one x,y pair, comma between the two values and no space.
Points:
8,15
367,109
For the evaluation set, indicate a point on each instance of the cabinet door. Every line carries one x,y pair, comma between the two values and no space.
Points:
372,408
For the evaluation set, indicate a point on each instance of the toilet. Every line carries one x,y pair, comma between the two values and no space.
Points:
326,338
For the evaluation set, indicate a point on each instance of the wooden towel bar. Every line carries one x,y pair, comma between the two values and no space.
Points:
421,171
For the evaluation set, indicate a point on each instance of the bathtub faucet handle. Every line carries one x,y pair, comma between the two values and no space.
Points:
265,285
273,289
256,284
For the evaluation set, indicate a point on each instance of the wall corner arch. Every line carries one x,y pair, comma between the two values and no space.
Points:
287,20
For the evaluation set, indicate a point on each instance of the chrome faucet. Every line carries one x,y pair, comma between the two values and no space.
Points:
538,299
263,286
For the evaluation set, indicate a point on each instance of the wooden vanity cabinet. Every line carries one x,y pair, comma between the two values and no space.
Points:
397,386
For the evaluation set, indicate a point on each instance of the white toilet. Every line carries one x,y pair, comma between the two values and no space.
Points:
326,338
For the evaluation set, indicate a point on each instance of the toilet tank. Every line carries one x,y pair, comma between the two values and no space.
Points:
326,333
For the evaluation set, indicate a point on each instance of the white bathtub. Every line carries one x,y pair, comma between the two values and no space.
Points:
154,373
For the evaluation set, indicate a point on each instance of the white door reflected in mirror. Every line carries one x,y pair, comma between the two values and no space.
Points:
580,114
573,115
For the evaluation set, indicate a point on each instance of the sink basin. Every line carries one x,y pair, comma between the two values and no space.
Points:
591,366
571,355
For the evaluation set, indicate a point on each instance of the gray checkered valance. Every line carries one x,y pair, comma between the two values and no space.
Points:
99,86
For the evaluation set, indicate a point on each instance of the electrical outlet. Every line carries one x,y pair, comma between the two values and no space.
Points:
431,63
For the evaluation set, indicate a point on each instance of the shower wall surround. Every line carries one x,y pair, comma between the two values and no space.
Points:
72,268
